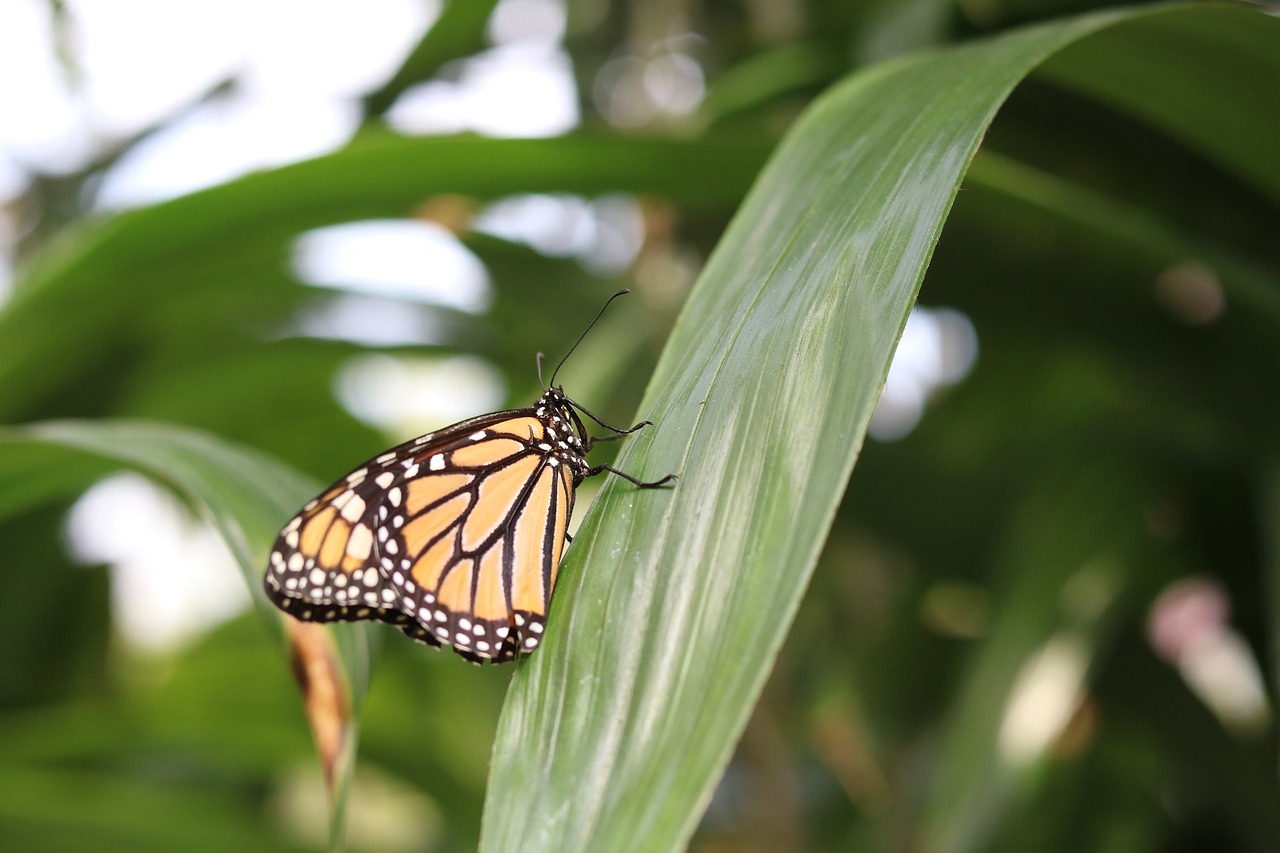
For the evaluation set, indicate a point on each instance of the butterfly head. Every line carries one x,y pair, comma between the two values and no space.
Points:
564,427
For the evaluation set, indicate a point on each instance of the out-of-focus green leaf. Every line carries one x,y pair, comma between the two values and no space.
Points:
115,814
1269,487
209,267
1153,698
763,77
31,476
457,33
672,604
1092,216
1173,70
1070,561
247,497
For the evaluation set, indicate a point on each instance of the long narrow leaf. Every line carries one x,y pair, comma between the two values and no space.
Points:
246,496
673,604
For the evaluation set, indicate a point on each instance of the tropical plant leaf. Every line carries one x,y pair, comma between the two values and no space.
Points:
225,246
247,497
672,604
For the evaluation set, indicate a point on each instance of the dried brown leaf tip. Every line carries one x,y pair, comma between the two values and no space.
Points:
316,667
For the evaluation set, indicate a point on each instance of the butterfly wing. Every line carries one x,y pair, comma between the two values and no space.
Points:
454,537
482,536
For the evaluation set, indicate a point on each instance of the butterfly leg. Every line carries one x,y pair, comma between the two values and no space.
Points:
600,469
620,434
617,433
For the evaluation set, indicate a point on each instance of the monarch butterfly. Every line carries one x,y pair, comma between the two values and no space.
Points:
454,537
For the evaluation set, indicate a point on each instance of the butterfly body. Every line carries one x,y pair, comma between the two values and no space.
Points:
455,537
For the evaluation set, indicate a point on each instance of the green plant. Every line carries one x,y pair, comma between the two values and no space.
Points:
1106,444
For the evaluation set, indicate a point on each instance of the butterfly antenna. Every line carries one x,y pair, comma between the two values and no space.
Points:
584,334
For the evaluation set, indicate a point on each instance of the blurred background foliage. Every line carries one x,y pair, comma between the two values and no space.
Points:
1061,537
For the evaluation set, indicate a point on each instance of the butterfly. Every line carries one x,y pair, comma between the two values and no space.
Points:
454,537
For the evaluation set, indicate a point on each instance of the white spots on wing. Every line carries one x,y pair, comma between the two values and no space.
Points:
436,462
354,508
477,436
386,478
295,562
390,544
411,472
360,542
356,477
316,577
291,539
394,496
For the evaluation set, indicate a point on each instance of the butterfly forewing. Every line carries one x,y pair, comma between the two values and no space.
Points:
454,537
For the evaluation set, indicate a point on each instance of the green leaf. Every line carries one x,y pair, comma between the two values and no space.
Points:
226,246
1071,557
132,816
246,496
672,604
457,33
1172,70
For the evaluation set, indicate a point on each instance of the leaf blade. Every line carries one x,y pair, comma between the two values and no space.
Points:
673,605
246,496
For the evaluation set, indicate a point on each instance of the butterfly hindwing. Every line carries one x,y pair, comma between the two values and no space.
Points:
323,567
